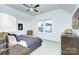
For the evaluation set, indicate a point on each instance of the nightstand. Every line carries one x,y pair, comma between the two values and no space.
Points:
30,32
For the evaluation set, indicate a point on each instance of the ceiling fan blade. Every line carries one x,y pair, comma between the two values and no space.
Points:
26,5
27,10
35,10
31,5
36,6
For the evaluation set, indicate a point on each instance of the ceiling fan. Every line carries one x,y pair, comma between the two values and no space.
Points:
32,7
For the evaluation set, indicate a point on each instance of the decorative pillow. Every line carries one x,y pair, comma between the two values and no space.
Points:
16,36
23,43
12,40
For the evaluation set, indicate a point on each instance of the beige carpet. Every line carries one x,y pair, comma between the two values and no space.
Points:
48,48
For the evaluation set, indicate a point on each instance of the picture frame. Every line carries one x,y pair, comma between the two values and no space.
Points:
75,20
20,26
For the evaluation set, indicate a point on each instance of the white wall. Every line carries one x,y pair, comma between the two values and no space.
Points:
20,17
26,26
60,19
7,23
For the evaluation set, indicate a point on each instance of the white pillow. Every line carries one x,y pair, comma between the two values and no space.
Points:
12,40
23,43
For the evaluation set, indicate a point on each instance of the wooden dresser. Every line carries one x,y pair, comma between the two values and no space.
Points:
69,44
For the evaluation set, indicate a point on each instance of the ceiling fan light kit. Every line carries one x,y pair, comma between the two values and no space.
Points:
32,7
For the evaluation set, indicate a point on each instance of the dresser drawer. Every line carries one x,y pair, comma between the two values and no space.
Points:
69,45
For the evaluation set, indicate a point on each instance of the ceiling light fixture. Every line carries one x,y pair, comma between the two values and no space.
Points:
31,9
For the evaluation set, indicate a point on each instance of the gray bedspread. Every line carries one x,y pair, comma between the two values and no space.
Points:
30,40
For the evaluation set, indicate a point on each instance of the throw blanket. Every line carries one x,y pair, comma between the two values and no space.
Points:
29,40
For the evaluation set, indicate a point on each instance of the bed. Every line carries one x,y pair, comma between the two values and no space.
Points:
32,42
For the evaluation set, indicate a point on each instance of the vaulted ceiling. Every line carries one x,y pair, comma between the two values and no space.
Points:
43,8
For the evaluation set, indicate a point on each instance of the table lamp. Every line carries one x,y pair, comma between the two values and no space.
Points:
8,24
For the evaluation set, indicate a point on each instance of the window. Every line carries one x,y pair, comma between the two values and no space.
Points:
40,26
45,26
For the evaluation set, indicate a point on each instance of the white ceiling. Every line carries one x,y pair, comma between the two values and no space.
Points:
43,8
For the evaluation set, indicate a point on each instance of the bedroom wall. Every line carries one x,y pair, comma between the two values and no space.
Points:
20,16
26,26
60,19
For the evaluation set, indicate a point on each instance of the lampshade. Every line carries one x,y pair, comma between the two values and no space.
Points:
7,23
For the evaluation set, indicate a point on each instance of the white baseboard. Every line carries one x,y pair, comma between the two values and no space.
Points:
52,40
